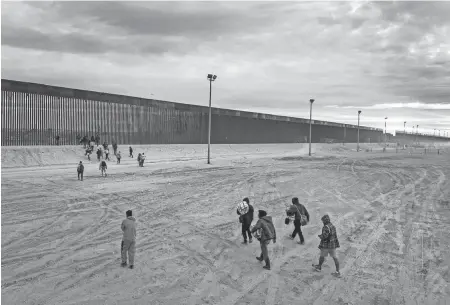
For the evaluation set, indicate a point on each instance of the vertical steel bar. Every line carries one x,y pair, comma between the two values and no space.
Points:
4,114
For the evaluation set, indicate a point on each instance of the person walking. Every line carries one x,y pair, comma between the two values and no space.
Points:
99,153
246,219
128,245
298,210
118,156
131,152
80,170
103,167
139,159
268,233
141,162
88,153
107,154
114,145
329,242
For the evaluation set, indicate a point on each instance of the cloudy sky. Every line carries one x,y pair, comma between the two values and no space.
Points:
383,58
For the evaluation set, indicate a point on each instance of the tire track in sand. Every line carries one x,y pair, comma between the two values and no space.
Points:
337,284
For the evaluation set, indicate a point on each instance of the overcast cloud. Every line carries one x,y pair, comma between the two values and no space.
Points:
384,58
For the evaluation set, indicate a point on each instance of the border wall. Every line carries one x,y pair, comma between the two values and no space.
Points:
35,114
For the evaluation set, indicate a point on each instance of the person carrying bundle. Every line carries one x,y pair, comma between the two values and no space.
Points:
301,218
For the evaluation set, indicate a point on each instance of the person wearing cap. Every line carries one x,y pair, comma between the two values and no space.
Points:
80,170
298,209
328,244
128,245
268,233
246,221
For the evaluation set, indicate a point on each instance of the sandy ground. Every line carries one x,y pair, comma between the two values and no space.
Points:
61,237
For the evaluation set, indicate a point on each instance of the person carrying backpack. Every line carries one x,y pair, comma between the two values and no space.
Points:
103,167
328,244
80,170
300,213
268,233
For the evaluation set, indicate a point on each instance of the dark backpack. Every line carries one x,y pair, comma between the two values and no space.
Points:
103,163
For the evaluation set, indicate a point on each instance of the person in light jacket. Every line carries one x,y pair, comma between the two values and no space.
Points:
268,233
129,239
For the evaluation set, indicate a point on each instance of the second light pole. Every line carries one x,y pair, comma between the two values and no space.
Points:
357,148
311,101
211,78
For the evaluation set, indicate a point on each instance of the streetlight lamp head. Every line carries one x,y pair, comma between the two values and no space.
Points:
359,111
214,77
385,118
311,100
210,76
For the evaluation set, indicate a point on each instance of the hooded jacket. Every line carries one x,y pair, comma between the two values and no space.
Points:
268,230
298,209
129,228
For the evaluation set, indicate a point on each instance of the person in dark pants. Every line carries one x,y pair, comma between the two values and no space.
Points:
80,170
114,145
118,156
246,221
297,209
99,153
268,233
103,167
131,152
97,139
107,154
57,139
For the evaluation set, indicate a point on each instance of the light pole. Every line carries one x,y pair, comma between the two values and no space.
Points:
404,127
311,101
359,112
385,132
211,78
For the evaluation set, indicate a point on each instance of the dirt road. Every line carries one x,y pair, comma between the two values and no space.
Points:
61,237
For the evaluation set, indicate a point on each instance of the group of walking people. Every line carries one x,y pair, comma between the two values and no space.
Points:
265,232
103,153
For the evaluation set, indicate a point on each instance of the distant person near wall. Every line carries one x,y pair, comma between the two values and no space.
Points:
80,170
118,156
114,145
57,139
103,167
97,139
131,152
99,153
